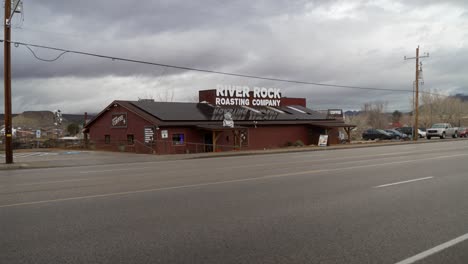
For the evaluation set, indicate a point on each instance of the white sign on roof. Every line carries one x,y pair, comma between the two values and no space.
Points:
247,96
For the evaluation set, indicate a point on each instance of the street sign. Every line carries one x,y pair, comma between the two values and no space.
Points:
38,133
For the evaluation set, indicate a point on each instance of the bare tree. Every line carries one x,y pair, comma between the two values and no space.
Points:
436,108
167,95
360,121
396,116
374,112
429,112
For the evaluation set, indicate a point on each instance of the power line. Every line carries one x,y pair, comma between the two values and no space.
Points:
113,58
46,60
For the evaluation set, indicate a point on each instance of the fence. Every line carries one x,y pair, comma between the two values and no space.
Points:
158,146
135,146
21,143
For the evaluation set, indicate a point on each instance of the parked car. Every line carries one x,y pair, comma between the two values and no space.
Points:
397,134
442,130
372,134
462,131
409,131
421,132
406,130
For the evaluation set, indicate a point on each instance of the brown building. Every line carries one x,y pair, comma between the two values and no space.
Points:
242,123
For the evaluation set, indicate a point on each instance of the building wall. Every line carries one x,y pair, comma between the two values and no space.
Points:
277,136
333,136
196,140
193,141
315,132
267,137
285,101
118,136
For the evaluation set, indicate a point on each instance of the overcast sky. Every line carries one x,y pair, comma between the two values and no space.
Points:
358,43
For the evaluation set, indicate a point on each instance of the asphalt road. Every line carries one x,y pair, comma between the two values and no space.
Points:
397,204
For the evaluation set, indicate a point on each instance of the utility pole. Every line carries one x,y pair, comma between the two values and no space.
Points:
416,95
7,77
7,85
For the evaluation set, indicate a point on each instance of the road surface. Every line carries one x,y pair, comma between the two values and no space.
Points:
396,204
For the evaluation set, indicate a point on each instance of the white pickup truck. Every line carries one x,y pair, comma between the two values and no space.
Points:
442,130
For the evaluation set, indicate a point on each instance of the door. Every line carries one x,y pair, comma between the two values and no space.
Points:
208,140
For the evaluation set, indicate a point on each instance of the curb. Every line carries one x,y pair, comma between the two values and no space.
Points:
173,157
309,149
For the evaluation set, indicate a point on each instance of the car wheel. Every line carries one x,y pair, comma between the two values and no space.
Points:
443,136
428,137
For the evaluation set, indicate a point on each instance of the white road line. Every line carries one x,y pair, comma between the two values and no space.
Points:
434,250
402,182
223,182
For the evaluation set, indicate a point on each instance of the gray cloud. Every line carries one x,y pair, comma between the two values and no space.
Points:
359,43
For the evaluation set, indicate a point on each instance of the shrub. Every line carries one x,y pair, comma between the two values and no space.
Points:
299,143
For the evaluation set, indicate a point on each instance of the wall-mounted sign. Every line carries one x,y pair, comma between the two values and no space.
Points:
149,134
164,134
228,122
335,114
119,120
323,139
245,95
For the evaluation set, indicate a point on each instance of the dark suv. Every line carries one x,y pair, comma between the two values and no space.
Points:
376,134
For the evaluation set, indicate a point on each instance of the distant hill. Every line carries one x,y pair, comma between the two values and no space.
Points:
352,113
34,119
462,97
42,119
73,118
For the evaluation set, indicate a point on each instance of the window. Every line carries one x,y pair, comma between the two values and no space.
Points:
178,139
107,139
130,139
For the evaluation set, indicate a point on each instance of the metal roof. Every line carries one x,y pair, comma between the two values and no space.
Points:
202,114
168,111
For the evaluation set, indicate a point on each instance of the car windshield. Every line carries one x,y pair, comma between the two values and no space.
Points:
438,126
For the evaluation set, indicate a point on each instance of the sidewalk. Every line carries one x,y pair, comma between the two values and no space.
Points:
61,158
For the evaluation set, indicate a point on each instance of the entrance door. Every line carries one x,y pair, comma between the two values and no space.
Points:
208,142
